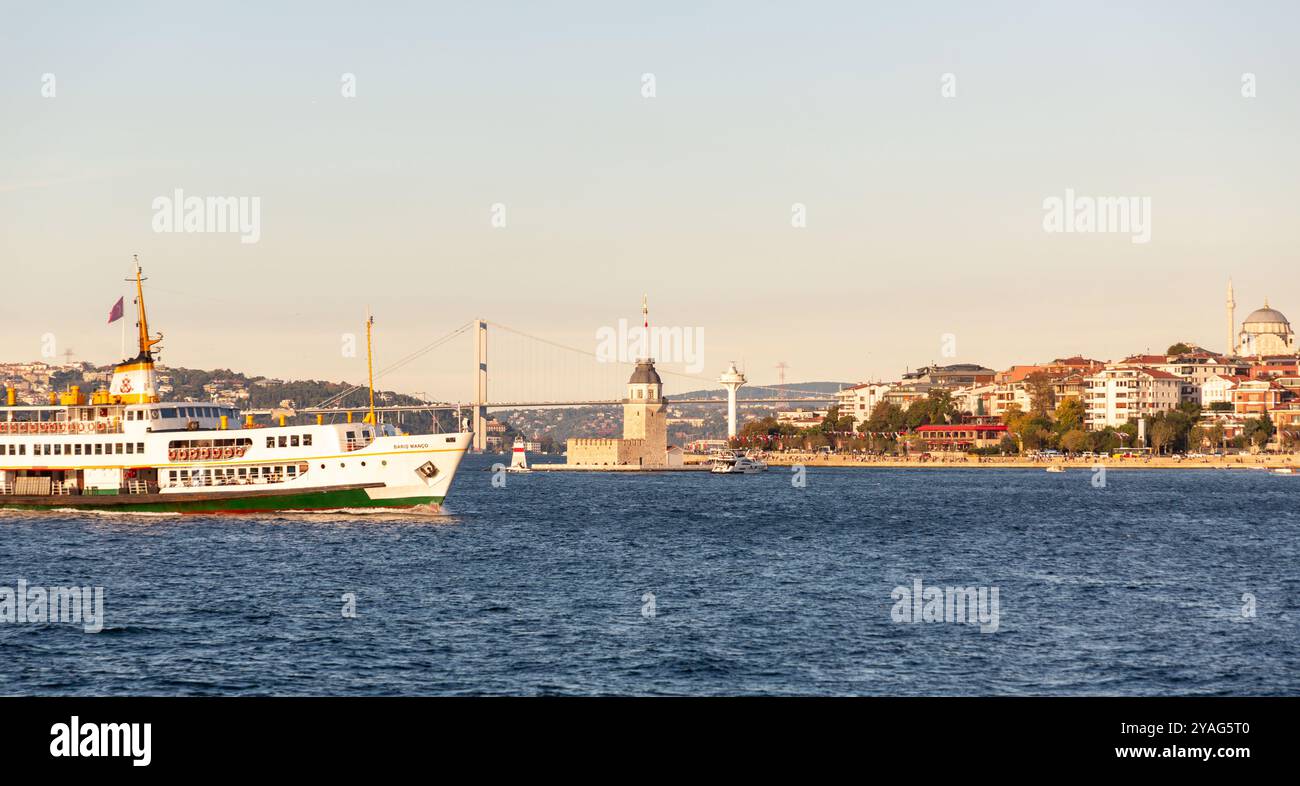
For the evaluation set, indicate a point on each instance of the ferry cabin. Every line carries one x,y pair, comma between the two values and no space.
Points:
159,448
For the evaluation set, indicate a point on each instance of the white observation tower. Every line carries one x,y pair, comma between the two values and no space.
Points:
731,380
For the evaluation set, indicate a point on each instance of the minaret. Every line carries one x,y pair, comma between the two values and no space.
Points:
731,380
1232,322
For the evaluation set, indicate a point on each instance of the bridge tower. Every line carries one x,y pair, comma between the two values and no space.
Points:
480,385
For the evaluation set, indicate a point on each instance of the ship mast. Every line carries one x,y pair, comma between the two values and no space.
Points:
146,343
370,366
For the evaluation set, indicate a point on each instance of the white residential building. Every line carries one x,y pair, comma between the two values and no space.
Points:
860,400
801,418
1114,396
1194,368
1218,389
975,399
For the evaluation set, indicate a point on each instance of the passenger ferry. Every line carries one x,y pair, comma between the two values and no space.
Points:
123,450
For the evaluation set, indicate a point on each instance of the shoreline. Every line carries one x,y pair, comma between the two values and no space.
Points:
999,462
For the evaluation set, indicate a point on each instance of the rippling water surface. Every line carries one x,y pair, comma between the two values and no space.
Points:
759,587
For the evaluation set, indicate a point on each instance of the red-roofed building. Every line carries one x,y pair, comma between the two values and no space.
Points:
1277,366
1114,396
1255,397
962,436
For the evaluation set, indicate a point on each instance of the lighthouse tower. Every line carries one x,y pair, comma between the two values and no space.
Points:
645,413
732,379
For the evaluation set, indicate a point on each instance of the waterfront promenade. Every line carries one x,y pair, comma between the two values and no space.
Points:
809,459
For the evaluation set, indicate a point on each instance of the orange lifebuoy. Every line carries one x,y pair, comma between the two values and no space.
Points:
228,453
241,450
193,454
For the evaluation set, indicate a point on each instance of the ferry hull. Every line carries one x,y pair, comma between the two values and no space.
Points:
340,498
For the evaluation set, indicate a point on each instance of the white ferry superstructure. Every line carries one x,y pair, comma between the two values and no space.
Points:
122,449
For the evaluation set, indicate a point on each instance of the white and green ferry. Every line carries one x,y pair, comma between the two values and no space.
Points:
124,450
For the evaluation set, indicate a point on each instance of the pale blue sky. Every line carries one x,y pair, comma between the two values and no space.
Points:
924,213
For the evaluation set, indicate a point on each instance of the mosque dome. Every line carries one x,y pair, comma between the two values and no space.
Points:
1266,320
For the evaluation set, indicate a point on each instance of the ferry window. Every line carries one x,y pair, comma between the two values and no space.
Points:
58,450
284,442
243,472
172,476
352,436
306,440
77,450
291,470
99,449
22,450
270,442
170,412
130,447
139,447
293,441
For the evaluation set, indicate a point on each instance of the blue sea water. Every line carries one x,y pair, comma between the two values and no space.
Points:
759,587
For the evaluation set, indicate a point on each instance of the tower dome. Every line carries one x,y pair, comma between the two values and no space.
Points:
645,374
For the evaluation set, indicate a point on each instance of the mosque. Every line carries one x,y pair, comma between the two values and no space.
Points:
1265,331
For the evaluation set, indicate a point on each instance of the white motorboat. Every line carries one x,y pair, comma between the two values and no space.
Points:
729,462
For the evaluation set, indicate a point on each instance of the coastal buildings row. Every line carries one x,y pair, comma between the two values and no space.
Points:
1259,377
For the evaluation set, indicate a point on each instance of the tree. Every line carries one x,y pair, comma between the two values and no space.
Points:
1258,431
832,422
885,417
1069,415
1161,434
1180,348
1076,440
1042,398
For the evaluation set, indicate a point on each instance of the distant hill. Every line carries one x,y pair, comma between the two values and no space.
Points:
244,392
766,391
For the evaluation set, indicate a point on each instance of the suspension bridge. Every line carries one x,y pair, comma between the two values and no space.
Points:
528,371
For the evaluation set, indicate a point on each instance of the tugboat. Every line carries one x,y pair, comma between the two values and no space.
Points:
122,449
